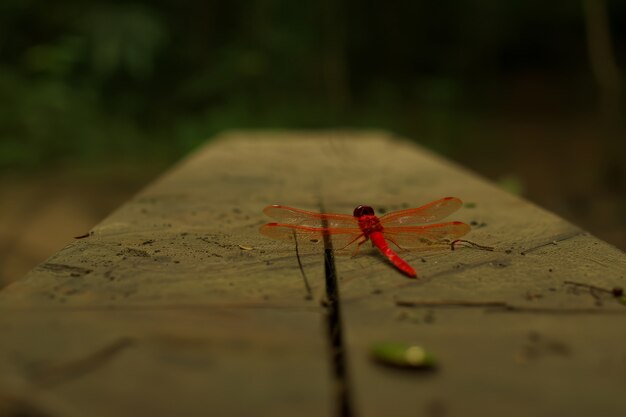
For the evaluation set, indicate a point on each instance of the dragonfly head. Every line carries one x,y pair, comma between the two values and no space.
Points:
363,211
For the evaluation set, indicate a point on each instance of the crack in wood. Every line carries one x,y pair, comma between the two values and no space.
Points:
560,238
309,295
335,332
72,270
449,303
164,307
494,262
12,405
63,372
503,307
555,310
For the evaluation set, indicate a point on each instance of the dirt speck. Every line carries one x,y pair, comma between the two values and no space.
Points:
436,408
133,252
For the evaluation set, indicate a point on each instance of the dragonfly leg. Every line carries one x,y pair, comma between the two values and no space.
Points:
394,242
352,241
360,240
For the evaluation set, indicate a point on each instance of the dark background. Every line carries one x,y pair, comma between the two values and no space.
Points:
98,97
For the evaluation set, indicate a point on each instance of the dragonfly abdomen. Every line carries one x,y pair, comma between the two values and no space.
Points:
379,241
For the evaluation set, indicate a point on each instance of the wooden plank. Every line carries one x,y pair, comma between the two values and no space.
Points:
166,310
558,351
176,305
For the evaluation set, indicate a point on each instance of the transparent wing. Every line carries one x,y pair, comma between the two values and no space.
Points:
425,237
293,216
341,237
430,212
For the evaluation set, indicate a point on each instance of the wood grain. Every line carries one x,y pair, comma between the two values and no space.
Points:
548,349
176,305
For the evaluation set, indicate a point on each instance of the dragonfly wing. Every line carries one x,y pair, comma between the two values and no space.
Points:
425,237
340,237
430,212
294,216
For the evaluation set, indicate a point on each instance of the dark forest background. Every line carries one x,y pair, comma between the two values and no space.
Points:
96,97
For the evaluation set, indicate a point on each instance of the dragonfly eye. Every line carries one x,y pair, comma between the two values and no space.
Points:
363,211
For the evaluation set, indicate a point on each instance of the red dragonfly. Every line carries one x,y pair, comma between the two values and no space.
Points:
404,228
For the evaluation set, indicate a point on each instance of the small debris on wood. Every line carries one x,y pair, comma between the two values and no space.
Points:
477,225
404,315
539,346
84,236
429,317
532,295
470,244
554,242
242,247
403,355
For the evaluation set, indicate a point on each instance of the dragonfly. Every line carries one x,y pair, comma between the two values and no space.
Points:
412,228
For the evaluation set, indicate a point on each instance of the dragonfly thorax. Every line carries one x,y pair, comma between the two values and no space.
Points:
368,222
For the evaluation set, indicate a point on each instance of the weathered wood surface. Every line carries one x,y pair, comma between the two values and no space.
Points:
557,349
165,310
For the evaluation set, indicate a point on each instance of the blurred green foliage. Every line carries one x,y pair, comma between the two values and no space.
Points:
95,81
